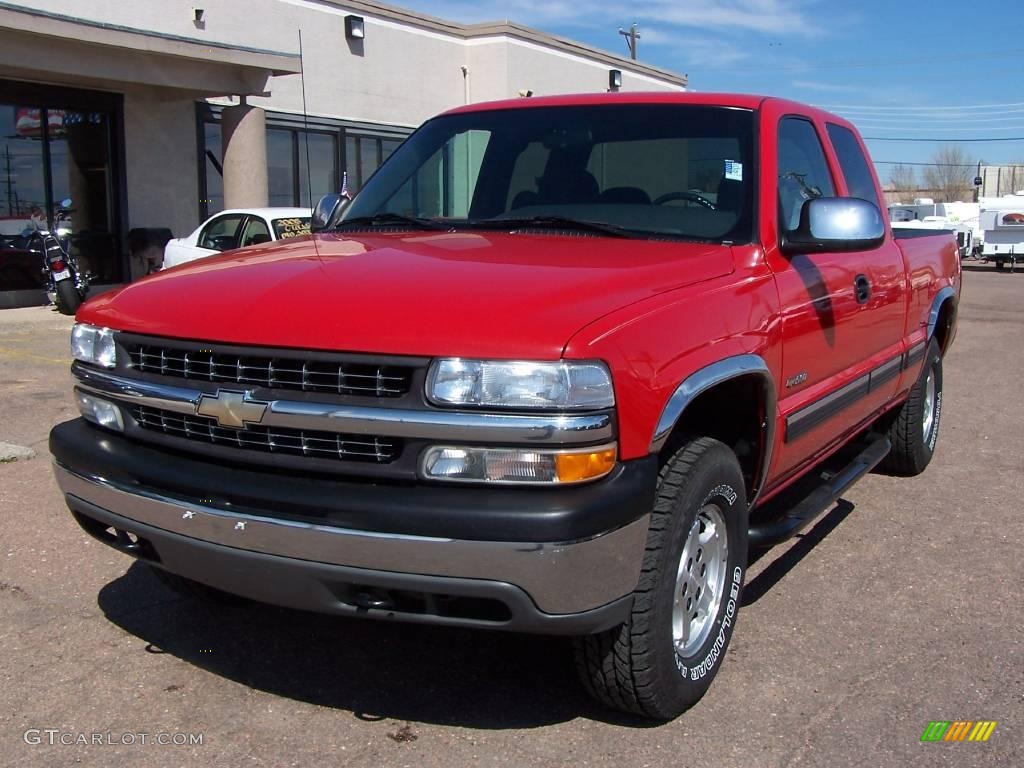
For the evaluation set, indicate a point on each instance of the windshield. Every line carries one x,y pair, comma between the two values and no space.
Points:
649,170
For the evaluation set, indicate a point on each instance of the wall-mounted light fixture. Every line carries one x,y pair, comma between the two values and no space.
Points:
614,79
525,93
354,28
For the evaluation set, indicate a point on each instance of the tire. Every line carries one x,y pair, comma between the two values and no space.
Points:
195,590
647,666
914,428
68,300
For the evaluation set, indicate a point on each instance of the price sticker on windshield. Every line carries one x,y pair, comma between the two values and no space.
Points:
733,170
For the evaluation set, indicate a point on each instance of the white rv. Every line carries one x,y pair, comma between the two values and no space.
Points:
1002,220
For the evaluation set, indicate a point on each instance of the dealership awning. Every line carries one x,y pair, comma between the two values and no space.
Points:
55,48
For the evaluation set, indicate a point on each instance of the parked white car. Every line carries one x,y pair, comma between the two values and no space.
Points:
237,228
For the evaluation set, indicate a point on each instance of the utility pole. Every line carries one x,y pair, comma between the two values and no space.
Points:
631,39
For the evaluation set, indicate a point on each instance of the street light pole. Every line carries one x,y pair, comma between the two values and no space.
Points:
632,36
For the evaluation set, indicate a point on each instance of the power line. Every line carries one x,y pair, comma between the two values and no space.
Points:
929,119
919,109
949,165
866,65
935,128
949,141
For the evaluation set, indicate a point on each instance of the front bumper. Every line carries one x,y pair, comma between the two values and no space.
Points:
516,582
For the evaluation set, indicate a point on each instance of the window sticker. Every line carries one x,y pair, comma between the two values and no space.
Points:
733,170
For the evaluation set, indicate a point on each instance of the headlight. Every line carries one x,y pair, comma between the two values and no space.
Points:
469,464
518,384
93,345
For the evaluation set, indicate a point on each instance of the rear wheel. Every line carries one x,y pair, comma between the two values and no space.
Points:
914,428
662,660
68,300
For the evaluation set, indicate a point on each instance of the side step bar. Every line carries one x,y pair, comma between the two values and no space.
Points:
772,532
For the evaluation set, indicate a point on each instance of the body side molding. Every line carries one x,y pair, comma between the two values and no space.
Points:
701,381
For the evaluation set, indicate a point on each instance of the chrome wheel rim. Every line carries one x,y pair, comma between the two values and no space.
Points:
700,581
929,406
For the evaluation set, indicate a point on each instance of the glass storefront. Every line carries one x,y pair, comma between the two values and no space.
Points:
56,144
304,162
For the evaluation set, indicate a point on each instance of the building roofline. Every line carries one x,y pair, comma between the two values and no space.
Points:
62,25
506,29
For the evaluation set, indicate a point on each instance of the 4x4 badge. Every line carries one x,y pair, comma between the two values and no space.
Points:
231,409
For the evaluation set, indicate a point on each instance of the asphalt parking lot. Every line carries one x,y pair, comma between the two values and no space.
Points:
902,606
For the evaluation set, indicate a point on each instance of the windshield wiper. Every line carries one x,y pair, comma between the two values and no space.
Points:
548,222
391,219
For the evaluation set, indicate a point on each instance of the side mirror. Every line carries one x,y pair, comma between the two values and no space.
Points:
327,211
836,224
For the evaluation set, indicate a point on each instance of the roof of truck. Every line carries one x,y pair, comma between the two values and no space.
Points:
741,100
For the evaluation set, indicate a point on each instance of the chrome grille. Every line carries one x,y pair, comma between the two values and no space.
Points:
294,373
294,442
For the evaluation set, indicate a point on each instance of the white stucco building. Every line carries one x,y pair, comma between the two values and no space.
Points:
155,113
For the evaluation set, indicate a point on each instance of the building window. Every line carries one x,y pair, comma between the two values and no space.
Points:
281,180
305,159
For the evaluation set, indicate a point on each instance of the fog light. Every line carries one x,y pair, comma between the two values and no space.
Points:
466,464
100,412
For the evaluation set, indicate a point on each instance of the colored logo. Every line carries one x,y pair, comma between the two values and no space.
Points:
1013,219
958,730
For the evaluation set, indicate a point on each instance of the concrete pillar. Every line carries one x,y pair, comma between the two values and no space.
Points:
244,152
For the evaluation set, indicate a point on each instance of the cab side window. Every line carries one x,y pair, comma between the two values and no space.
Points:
859,180
803,170
221,234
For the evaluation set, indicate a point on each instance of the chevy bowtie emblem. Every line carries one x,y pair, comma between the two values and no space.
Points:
231,409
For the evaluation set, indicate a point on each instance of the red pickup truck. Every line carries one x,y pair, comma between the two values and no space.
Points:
557,368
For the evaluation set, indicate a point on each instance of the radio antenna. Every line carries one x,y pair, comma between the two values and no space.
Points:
305,123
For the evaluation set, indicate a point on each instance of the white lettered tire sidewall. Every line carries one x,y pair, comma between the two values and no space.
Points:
696,671
634,667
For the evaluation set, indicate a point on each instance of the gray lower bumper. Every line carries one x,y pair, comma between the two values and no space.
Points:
571,587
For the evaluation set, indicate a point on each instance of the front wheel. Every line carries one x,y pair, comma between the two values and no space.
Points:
662,660
68,300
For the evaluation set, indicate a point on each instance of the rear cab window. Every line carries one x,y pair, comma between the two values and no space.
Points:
859,180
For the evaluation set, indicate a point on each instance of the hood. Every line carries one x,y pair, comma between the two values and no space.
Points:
464,294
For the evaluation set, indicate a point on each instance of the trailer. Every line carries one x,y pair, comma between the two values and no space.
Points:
960,218
1002,221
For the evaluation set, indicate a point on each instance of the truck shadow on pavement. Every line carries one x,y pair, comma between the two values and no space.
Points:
757,587
376,670
388,670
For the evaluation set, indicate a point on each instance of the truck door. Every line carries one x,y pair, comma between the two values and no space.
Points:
843,313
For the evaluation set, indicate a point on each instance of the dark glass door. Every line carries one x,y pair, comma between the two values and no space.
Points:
57,144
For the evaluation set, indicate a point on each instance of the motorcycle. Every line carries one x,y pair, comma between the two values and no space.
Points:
66,285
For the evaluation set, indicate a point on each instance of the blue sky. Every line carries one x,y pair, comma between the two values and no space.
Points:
941,69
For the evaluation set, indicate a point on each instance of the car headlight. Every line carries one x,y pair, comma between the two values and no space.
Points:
558,385
93,345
